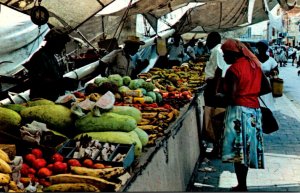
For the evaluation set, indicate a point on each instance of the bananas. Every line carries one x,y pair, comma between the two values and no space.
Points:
101,184
4,156
149,115
71,187
106,173
4,179
12,186
4,167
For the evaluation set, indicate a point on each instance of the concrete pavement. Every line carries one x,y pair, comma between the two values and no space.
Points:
282,157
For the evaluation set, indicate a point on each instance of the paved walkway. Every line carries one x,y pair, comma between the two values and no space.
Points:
282,157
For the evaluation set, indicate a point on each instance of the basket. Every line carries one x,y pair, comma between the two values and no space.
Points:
277,87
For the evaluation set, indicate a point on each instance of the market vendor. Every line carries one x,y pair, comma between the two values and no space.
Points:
45,69
121,62
175,51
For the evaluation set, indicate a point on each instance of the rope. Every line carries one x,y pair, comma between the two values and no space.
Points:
121,24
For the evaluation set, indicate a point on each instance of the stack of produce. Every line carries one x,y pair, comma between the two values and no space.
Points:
5,172
176,85
56,173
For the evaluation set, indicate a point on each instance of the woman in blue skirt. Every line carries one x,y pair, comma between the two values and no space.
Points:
243,137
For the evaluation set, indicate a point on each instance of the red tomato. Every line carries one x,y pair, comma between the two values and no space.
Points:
50,166
24,170
74,162
30,158
37,152
39,163
88,163
57,158
44,172
98,166
31,171
60,167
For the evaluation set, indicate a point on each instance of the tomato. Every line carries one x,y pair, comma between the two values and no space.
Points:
60,167
57,157
88,163
39,163
44,172
30,158
74,162
37,152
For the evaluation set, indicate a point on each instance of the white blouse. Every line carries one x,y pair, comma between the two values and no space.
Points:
268,65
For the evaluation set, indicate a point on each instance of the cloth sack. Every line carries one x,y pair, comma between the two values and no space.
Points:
269,123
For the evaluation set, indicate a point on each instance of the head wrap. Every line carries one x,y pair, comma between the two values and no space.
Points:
239,47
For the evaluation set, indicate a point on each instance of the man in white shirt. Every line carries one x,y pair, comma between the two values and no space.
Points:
216,59
215,70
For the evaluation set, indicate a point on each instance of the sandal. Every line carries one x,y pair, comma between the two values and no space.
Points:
238,189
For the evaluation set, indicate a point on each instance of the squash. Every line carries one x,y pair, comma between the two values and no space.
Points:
56,117
9,119
143,136
127,110
105,122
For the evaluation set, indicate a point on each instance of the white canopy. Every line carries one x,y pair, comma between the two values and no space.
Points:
19,38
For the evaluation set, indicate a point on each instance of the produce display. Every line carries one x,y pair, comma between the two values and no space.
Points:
113,120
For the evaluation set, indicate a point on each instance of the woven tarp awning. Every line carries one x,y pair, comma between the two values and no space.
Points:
217,15
68,13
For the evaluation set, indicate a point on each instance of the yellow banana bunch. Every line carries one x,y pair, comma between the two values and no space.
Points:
146,115
4,167
151,129
71,187
4,156
106,173
101,184
13,186
4,179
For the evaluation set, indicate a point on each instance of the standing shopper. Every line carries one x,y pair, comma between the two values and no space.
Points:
243,136
44,68
215,70
270,68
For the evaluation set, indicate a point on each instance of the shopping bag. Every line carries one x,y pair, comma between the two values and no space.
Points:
213,122
265,86
269,123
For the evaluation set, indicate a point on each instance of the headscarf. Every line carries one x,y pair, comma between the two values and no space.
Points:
237,46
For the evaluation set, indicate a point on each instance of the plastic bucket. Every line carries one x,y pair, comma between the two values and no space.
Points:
277,87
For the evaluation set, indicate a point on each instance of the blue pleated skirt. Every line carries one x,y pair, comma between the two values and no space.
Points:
243,137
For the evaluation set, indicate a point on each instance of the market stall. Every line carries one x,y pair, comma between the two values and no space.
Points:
169,166
58,142
116,133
